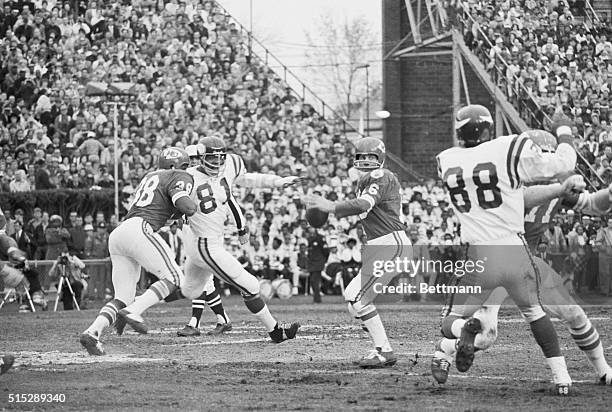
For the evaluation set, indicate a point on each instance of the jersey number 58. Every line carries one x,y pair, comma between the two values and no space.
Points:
453,179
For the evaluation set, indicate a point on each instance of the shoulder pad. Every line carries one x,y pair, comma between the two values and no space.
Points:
377,174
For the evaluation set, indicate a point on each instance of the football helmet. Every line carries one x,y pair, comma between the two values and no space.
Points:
173,158
543,139
212,155
473,125
194,151
368,146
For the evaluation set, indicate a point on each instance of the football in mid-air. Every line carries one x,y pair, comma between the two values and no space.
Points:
316,217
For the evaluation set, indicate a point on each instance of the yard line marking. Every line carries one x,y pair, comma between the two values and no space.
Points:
30,358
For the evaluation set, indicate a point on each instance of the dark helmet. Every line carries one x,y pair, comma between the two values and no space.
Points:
369,146
213,155
473,125
173,158
545,140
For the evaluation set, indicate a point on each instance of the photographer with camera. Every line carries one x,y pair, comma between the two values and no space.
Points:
71,269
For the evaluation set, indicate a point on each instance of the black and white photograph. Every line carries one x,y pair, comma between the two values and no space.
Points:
325,205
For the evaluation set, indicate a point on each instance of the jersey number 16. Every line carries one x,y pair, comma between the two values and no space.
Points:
460,197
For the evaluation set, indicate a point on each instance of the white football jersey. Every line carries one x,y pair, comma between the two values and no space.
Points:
213,196
484,183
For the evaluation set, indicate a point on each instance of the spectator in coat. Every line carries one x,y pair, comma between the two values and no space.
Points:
57,238
38,236
96,245
24,243
317,258
77,238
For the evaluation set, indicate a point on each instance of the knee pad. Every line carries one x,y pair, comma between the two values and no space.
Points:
358,310
532,313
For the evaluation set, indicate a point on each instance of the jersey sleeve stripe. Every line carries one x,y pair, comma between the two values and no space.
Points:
236,213
235,165
178,195
517,157
509,161
368,199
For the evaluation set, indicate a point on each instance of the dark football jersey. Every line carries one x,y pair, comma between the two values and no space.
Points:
155,196
6,242
383,188
537,219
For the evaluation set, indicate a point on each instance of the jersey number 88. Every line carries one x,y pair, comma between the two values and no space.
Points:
460,197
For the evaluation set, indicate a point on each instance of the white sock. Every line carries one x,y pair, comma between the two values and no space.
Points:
98,325
457,326
193,322
222,319
156,293
448,346
266,318
586,336
377,332
559,370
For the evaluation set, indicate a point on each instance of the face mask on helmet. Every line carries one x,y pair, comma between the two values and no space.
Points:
366,161
194,160
213,163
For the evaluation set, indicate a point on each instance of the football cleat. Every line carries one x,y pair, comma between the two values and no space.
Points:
120,325
606,379
188,331
134,320
465,347
220,329
92,344
377,359
6,362
563,389
281,334
439,369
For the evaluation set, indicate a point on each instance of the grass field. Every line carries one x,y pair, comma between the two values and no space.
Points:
244,371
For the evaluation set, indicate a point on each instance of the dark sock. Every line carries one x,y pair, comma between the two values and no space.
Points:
546,336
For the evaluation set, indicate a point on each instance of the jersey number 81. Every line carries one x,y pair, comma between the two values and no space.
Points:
460,197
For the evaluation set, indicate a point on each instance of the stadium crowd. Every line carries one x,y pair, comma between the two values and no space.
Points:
550,54
194,77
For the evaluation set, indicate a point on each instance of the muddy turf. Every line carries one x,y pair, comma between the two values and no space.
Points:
242,370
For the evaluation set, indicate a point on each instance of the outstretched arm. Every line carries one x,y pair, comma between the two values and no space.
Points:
262,180
540,194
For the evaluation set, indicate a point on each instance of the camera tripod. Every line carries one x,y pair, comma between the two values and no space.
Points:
27,294
64,281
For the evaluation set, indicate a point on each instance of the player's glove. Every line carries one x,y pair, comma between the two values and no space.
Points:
287,181
243,236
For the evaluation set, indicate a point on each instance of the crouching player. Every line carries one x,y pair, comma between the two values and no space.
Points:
378,204
542,203
135,242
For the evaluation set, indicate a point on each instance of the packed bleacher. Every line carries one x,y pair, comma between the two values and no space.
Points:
550,60
195,78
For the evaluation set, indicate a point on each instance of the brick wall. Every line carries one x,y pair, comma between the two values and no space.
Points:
417,91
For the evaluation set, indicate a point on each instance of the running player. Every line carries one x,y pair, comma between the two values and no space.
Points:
485,179
211,296
378,204
204,246
542,203
135,243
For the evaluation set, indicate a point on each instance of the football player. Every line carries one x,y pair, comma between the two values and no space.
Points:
484,179
204,244
211,296
378,204
542,203
135,243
